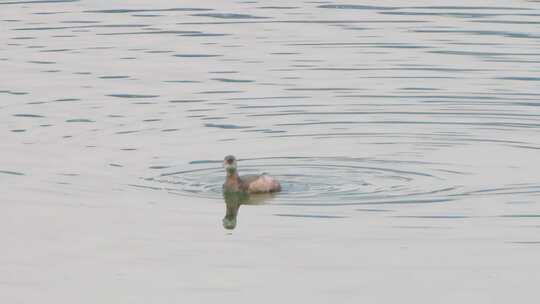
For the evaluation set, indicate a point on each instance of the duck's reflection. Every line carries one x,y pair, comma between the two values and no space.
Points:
233,201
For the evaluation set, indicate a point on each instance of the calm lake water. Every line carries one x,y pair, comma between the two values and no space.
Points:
391,123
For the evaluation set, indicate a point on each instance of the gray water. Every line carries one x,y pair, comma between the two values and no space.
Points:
405,116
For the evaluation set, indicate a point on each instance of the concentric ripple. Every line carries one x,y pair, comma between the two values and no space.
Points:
324,181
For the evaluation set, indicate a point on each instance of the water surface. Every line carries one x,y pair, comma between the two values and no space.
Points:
395,124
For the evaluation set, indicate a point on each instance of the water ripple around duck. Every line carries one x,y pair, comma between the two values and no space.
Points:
324,180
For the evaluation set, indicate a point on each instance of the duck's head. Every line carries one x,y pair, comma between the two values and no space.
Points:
229,163
229,223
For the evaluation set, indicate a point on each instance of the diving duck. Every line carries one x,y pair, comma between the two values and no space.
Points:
262,183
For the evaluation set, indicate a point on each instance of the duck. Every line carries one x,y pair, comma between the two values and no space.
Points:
261,183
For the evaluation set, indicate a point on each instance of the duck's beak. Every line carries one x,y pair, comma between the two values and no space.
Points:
229,166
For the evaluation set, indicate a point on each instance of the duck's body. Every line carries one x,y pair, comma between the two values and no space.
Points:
247,183
251,183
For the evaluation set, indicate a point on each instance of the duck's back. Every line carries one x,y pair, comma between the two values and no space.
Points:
260,183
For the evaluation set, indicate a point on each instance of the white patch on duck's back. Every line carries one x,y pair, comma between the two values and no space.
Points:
263,183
